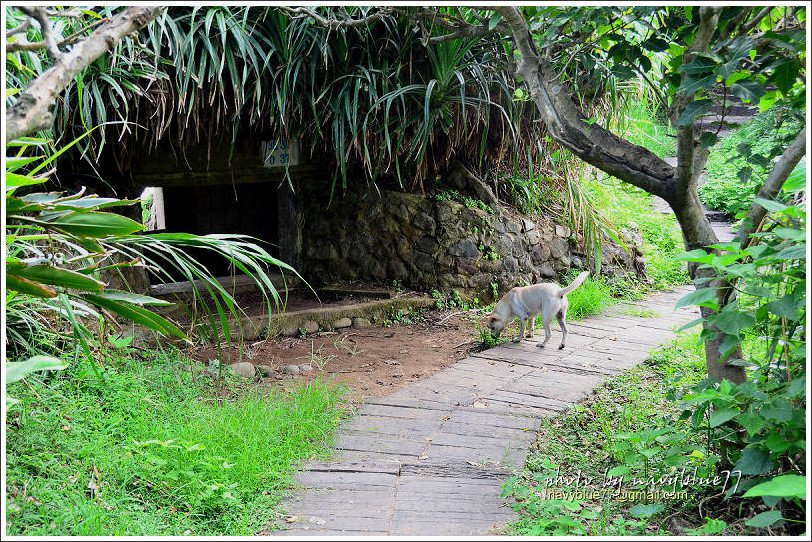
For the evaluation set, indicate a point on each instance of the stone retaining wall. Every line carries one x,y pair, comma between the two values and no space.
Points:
428,244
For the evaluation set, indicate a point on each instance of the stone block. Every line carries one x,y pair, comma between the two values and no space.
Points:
465,248
424,222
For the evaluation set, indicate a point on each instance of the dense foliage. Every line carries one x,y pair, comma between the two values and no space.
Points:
743,160
376,97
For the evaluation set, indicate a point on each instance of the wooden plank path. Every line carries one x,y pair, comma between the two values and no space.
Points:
430,459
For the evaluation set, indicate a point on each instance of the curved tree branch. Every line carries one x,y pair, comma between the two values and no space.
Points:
772,186
33,109
37,45
48,41
336,24
567,124
19,29
751,24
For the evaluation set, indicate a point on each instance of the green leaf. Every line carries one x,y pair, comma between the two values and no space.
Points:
17,370
25,286
732,321
748,91
779,410
784,75
788,486
784,307
692,85
14,180
718,417
96,224
135,299
694,110
690,324
136,314
796,182
55,276
765,519
697,255
494,20
752,423
770,205
776,443
704,297
646,510
93,203
795,252
13,163
754,461
708,139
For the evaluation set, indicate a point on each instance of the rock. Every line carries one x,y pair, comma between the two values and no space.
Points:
465,248
577,262
342,323
359,323
558,248
510,265
547,270
562,231
498,227
426,244
528,225
513,226
533,237
424,262
306,368
398,269
265,370
357,253
465,267
311,327
291,370
424,222
324,252
289,331
244,368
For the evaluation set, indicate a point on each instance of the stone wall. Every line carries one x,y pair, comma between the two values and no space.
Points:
428,244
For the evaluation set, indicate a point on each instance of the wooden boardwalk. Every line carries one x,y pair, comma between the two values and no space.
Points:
430,459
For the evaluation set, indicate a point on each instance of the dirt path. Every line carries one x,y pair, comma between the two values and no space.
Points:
430,458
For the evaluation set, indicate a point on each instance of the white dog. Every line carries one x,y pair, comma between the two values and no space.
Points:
526,302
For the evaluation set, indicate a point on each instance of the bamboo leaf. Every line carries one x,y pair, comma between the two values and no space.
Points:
97,224
136,314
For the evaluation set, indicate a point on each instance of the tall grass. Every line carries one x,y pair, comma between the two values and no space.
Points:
590,298
631,208
639,120
146,450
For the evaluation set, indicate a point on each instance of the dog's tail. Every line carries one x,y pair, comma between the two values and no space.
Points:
577,282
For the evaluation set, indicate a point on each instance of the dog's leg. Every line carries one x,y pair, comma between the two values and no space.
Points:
562,321
547,332
521,332
532,321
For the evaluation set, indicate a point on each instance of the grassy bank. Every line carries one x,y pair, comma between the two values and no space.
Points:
146,448
591,440
632,428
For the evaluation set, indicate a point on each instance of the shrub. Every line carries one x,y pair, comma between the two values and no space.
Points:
740,163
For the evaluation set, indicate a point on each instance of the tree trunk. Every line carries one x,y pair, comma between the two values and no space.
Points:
698,233
631,163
